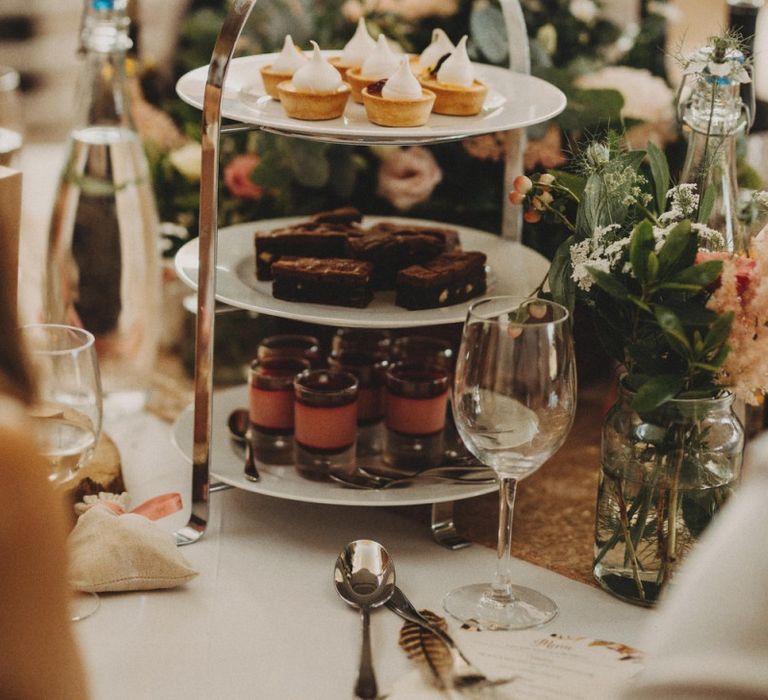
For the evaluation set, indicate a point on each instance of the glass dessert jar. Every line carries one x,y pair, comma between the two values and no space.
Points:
369,369
325,421
416,402
306,347
270,407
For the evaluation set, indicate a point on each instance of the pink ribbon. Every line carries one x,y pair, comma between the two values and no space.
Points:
154,509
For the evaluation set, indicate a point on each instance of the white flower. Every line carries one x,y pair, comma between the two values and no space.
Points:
187,160
731,67
684,202
647,98
597,253
709,239
583,10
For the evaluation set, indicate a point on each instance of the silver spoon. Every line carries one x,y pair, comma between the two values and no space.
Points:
361,479
365,578
239,426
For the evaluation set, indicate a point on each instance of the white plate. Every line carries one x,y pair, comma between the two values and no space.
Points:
284,482
514,101
514,269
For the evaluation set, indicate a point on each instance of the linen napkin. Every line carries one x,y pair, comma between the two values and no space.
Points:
110,551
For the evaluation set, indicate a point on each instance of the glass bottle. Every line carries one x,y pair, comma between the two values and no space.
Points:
103,261
714,116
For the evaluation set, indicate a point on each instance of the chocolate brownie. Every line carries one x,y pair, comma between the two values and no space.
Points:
448,279
343,215
316,239
337,281
393,250
449,236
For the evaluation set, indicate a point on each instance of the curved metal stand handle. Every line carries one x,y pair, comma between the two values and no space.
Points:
519,62
206,282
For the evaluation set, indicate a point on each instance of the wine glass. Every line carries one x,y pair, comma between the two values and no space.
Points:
10,117
514,402
66,415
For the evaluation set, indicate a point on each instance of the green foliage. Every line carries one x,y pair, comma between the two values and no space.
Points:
649,298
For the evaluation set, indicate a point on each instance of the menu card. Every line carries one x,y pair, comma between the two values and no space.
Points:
544,665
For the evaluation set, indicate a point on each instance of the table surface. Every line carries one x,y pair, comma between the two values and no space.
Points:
262,619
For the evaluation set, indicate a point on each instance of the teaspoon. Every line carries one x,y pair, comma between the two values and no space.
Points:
239,426
365,578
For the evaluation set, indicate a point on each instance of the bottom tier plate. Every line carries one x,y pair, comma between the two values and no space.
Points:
284,482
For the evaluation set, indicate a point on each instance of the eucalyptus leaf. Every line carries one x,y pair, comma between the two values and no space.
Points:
679,249
660,174
488,30
656,391
641,245
608,283
706,205
561,283
673,329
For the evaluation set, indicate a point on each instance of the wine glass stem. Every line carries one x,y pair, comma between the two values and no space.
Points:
502,582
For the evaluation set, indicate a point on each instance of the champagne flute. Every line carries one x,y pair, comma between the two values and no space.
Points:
66,415
514,403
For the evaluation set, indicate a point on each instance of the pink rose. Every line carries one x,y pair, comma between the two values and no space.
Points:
238,174
408,176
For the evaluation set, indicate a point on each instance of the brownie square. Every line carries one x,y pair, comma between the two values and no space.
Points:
449,236
337,281
342,215
446,280
393,250
315,239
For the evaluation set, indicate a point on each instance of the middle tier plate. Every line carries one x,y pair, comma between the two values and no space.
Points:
514,269
285,482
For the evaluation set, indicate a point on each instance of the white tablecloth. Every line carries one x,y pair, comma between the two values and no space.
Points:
263,619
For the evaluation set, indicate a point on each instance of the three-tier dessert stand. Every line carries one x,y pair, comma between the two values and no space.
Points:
525,101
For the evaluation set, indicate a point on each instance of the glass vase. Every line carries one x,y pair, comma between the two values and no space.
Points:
664,474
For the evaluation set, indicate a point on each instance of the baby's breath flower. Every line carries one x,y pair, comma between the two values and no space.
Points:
709,239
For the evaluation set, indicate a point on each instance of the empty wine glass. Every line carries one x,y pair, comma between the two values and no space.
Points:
11,124
514,402
66,415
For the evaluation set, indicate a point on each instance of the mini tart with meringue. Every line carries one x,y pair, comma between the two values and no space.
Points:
398,100
288,61
380,64
457,91
456,100
316,91
356,50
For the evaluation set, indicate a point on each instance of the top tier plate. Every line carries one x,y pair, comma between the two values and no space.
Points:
514,101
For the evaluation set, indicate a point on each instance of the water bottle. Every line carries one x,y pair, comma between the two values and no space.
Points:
103,261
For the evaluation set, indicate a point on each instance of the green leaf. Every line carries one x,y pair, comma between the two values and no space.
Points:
588,216
719,332
653,266
679,249
561,283
641,245
656,391
640,304
575,183
608,283
660,174
706,204
702,274
673,330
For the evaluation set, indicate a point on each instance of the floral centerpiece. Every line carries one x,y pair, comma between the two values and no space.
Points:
686,323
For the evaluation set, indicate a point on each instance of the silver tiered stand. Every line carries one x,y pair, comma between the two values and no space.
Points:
519,59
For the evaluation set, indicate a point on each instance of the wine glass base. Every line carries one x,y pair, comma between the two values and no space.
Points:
475,606
83,605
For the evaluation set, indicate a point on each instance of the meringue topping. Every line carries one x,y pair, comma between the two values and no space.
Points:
317,75
359,47
440,46
290,58
457,68
402,85
381,63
